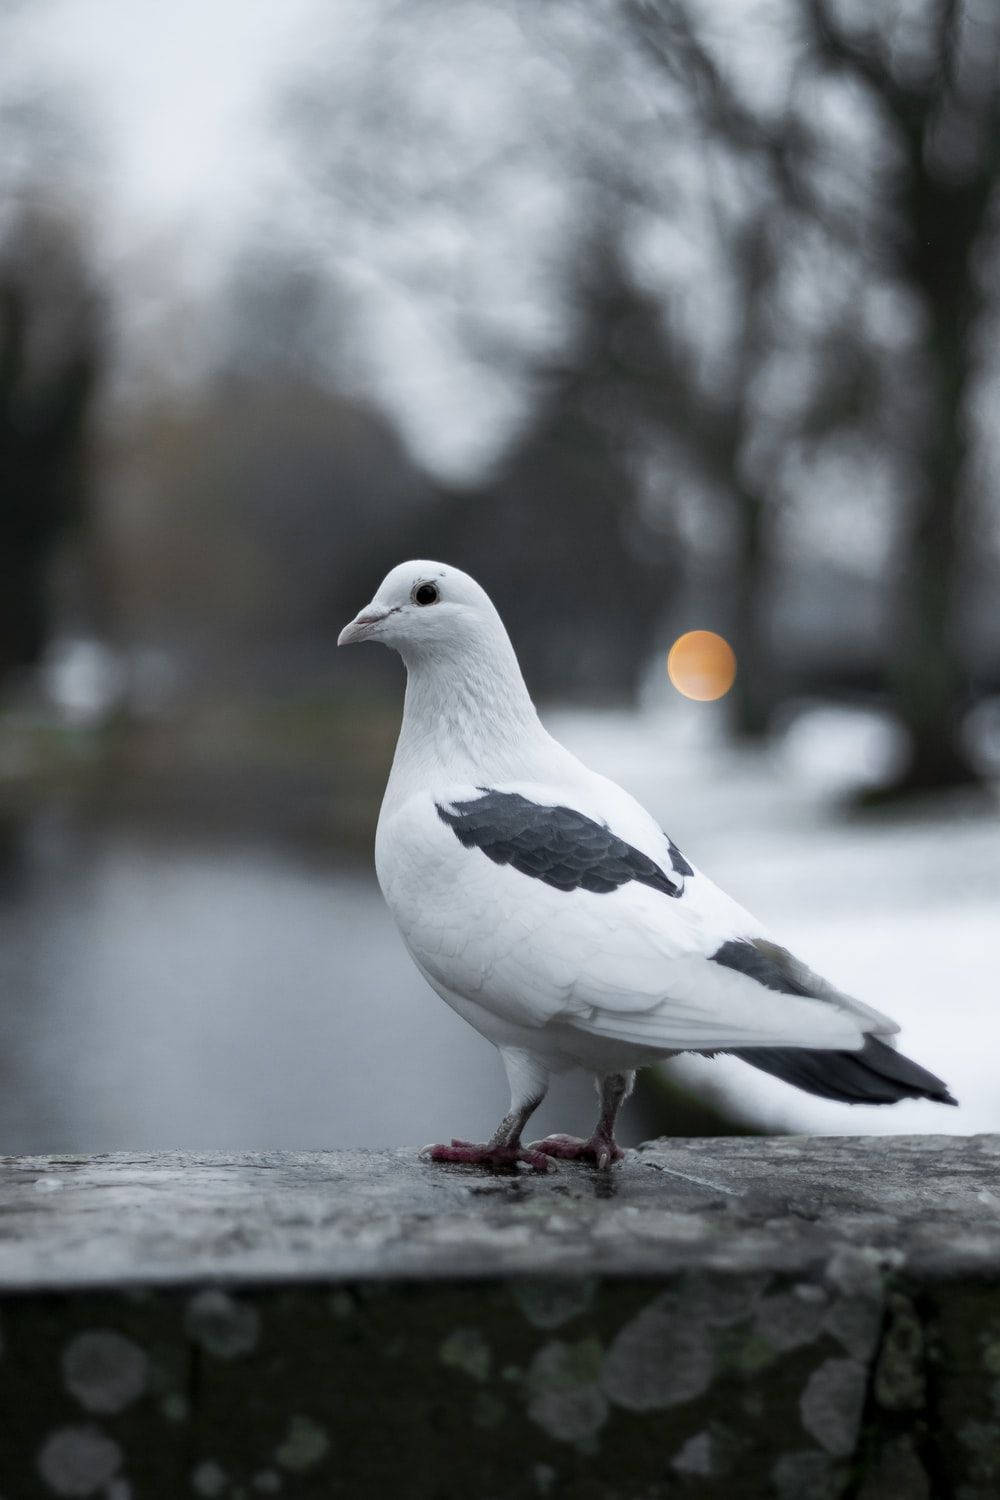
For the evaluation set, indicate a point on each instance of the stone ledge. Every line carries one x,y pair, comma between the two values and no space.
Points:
930,1203
791,1318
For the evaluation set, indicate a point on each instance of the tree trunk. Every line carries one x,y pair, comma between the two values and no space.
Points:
929,679
753,696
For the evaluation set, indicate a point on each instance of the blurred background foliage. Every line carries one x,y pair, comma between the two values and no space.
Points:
651,314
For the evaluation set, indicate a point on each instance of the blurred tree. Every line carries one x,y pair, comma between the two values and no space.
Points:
251,516
933,74
880,157
249,524
417,162
50,355
556,534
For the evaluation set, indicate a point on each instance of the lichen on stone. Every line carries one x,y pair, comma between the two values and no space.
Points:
105,1371
220,1325
660,1358
858,1271
788,1320
564,1398
209,1479
696,1455
466,1349
79,1460
305,1445
856,1323
832,1402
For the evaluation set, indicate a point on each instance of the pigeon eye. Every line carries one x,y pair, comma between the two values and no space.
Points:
426,593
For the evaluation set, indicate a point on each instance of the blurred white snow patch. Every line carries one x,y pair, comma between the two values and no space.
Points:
83,678
675,731
832,747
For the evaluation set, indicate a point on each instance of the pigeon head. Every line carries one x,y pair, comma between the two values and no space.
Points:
426,609
467,712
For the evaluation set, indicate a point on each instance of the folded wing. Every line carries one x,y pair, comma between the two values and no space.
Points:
546,914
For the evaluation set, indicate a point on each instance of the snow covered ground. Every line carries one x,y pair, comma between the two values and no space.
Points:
902,912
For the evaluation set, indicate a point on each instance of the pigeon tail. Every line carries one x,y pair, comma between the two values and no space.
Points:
877,1074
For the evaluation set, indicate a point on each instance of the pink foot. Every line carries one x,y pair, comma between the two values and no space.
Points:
494,1158
601,1151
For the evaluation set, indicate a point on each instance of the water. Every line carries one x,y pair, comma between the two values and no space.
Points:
157,996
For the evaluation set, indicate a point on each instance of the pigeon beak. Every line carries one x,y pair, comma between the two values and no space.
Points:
362,627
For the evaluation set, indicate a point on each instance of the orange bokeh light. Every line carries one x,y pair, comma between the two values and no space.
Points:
701,665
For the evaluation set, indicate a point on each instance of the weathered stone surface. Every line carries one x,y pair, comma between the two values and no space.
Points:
930,1203
737,1318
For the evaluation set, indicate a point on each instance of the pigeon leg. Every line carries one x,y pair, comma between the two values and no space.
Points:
602,1150
528,1080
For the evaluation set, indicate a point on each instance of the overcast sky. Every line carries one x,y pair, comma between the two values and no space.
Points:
180,96
188,165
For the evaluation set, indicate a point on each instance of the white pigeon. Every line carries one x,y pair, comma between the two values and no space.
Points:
547,907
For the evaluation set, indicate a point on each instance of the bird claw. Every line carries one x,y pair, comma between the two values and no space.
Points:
599,1150
493,1158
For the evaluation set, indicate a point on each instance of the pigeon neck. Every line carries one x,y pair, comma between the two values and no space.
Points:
467,717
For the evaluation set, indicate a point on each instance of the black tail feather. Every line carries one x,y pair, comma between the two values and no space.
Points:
877,1074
